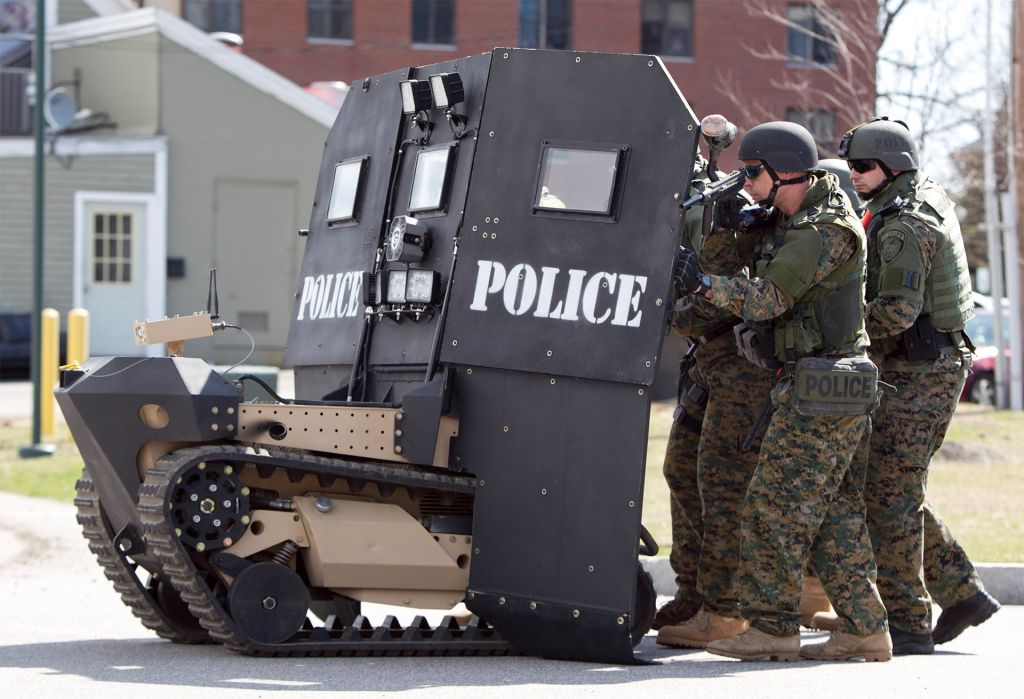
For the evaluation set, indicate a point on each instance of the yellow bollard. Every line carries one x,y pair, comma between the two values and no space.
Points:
78,336
48,365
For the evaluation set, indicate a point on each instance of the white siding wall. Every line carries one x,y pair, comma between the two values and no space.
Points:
131,173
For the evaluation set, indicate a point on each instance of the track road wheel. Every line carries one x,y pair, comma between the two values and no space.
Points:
268,602
154,602
644,606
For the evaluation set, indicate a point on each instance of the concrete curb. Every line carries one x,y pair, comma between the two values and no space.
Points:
1004,581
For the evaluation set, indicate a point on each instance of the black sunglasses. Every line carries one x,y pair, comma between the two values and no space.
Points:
751,171
863,166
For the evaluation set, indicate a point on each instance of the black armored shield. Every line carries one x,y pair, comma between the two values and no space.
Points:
506,224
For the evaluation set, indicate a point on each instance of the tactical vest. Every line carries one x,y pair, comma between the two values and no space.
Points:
828,317
947,290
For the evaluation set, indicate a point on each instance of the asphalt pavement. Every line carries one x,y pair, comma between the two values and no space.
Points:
66,633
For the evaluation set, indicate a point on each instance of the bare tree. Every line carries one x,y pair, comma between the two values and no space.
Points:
970,194
839,80
857,43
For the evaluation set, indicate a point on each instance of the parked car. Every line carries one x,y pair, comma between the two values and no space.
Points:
15,344
980,386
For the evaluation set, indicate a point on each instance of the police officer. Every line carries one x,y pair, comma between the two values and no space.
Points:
680,467
733,391
807,299
919,297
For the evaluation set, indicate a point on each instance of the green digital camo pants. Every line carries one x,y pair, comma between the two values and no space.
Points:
738,391
680,471
915,551
803,502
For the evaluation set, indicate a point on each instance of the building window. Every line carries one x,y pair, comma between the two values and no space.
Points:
667,27
545,24
808,37
820,122
433,21
214,15
329,19
112,248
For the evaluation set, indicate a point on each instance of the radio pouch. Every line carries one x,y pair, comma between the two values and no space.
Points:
919,340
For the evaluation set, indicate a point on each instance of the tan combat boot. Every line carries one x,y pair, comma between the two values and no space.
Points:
754,644
846,646
701,630
815,610
665,637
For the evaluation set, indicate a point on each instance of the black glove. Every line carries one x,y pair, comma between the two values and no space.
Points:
687,272
728,213
736,214
756,220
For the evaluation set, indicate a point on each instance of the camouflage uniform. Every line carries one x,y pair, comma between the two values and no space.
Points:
705,467
802,500
737,391
680,467
912,241
680,471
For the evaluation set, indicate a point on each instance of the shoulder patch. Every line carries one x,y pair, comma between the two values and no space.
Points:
890,245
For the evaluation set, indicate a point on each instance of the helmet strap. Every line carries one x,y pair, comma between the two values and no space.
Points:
777,182
883,185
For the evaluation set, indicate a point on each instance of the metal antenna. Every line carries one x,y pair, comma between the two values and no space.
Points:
211,297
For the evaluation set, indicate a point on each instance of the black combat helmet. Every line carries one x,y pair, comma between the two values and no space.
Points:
887,141
782,145
841,170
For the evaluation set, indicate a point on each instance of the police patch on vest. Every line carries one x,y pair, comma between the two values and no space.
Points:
891,246
835,387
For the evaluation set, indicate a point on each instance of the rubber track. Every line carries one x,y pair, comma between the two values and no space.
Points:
133,593
359,639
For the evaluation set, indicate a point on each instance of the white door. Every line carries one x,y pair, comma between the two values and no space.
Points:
113,285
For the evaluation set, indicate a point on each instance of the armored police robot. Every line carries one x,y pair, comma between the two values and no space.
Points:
477,321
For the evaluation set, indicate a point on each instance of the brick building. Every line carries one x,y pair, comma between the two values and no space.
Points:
752,60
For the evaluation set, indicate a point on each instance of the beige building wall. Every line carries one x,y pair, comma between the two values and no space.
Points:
242,171
172,6
73,10
122,73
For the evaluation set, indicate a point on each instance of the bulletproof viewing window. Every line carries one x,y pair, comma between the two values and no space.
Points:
348,180
580,179
430,180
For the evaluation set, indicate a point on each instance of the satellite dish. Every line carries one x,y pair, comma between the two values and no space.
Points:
59,108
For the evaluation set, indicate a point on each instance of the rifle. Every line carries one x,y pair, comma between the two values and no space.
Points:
727,186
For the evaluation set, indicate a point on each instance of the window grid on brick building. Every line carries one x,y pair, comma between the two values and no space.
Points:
329,19
214,15
808,38
820,122
433,22
545,24
667,27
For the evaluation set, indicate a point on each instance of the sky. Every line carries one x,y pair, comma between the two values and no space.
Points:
947,37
